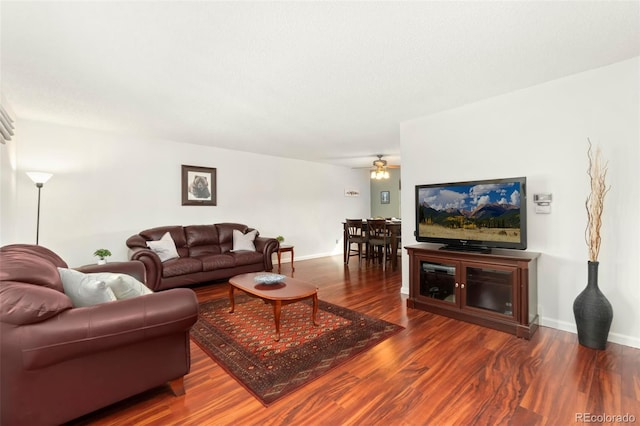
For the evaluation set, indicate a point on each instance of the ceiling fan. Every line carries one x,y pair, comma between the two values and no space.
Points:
382,163
379,168
379,162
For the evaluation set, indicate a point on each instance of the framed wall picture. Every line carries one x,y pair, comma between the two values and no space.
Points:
198,186
385,197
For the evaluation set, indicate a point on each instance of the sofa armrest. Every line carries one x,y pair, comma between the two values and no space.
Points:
82,331
267,246
152,266
136,241
134,268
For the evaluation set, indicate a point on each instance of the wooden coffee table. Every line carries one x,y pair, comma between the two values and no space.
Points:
290,290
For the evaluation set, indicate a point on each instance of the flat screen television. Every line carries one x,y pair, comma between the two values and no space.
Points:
473,216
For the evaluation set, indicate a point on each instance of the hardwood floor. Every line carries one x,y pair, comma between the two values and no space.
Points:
438,371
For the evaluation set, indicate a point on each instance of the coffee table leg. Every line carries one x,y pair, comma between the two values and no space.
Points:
315,309
231,299
277,306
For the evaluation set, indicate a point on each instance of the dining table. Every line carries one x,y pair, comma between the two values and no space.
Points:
395,232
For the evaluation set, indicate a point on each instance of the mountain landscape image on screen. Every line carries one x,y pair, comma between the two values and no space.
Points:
488,212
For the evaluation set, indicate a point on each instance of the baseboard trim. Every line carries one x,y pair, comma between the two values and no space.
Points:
570,327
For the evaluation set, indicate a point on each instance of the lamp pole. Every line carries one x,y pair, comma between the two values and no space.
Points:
39,185
39,178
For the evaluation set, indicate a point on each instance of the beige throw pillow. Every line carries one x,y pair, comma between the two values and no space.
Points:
165,248
244,241
123,286
84,290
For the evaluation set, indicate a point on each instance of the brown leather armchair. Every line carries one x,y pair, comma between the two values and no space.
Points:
58,362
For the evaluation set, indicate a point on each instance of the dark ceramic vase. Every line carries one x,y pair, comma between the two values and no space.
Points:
593,312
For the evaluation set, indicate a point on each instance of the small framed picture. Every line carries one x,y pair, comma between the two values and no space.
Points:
198,186
384,197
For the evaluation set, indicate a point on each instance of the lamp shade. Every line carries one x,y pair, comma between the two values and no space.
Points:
39,177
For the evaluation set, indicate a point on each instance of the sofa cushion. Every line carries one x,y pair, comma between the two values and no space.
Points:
22,303
201,236
246,257
216,261
181,266
225,234
244,241
200,251
165,248
39,251
29,268
83,289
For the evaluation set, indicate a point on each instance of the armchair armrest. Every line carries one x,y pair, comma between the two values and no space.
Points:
82,331
134,268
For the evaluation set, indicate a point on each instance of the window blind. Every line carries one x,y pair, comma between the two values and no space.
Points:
6,126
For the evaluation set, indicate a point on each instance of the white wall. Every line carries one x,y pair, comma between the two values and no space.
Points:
108,187
541,133
392,185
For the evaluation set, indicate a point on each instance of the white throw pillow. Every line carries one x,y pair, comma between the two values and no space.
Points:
165,248
84,290
123,286
244,241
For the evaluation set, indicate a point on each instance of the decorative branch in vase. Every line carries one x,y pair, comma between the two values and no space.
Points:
592,310
595,202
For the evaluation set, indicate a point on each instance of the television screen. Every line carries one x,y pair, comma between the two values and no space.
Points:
473,215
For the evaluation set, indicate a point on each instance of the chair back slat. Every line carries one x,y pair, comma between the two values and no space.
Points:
355,227
377,229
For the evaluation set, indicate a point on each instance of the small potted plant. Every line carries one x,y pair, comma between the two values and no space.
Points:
280,239
102,255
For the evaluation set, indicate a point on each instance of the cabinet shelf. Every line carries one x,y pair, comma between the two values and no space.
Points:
497,290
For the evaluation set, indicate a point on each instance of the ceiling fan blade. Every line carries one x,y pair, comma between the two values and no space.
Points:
371,167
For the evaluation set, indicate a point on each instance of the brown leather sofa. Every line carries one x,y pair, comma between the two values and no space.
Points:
205,254
58,362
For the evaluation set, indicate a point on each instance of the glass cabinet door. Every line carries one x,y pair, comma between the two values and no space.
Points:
438,281
489,289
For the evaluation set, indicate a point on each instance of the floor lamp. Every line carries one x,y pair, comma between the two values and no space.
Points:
39,179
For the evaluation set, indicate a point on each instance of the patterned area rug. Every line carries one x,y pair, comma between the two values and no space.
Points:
242,342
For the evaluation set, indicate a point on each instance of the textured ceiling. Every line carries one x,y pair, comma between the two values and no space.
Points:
320,81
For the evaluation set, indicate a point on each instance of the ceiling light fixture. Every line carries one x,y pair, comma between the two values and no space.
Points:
380,169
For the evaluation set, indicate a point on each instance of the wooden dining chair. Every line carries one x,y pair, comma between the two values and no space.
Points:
395,232
379,240
356,234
